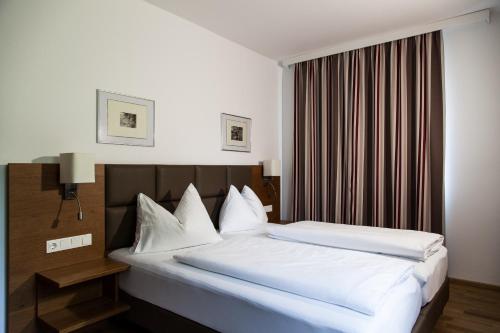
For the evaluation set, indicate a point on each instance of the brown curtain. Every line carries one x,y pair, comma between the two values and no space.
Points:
368,141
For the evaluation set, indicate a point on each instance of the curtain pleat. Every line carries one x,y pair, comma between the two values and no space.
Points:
368,136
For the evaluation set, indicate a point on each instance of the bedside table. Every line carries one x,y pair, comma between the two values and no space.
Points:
79,295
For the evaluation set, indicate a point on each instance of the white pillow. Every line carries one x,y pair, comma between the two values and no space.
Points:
254,202
192,213
236,214
159,230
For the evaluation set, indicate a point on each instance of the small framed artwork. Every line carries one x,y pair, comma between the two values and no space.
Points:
235,132
125,120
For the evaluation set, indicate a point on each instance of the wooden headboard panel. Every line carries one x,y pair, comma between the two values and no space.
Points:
37,214
166,183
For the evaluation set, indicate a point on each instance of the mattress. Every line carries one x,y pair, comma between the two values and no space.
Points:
227,304
431,274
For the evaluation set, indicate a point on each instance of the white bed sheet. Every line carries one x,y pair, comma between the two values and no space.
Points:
430,273
227,304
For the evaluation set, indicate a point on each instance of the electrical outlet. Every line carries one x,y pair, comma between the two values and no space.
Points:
268,208
53,245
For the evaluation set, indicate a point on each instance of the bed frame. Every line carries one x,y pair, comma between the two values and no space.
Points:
166,184
157,319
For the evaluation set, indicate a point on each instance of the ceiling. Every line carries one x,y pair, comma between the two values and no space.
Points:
279,29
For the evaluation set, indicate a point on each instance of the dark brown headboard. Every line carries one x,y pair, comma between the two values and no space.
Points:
165,184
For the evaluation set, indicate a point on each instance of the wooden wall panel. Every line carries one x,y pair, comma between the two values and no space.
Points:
36,214
264,192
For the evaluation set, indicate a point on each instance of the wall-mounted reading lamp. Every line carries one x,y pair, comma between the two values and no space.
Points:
272,168
75,168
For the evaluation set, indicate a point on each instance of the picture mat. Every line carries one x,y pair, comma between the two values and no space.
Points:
115,110
229,128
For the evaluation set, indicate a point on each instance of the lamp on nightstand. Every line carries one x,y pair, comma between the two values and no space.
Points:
271,168
75,168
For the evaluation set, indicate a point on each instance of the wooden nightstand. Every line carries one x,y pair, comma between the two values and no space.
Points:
79,295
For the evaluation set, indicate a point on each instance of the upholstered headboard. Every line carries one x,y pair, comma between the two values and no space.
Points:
165,184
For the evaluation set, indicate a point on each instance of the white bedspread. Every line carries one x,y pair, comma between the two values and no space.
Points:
356,280
405,243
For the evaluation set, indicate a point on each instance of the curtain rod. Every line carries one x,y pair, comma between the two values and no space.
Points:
479,16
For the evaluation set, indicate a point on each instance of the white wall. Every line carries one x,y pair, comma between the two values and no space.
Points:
472,174
287,123
55,54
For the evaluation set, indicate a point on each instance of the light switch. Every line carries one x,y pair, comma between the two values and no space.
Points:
65,244
268,208
76,241
86,239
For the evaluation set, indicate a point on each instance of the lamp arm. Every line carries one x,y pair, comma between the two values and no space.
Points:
80,213
275,195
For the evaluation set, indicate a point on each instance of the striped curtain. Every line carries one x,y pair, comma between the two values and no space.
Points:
368,136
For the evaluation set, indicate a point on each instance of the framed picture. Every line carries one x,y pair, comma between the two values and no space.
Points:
125,120
235,132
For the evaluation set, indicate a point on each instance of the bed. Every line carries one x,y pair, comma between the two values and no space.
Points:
179,296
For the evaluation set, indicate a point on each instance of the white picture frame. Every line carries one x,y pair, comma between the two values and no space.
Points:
236,133
125,120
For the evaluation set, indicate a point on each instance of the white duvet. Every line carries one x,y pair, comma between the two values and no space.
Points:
356,280
412,244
